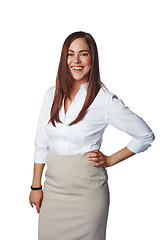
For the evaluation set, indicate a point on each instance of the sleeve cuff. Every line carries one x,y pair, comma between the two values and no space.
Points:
41,156
140,145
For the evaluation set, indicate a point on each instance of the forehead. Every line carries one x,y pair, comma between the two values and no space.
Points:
78,45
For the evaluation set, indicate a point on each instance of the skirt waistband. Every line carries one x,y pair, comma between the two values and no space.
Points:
68,159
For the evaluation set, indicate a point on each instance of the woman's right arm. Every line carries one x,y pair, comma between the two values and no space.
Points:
36,196
40,156
41,151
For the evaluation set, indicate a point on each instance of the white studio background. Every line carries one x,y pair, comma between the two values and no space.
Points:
127,34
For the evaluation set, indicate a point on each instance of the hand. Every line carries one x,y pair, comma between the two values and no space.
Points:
99,157
35,198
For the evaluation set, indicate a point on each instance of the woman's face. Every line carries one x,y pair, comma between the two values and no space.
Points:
79,60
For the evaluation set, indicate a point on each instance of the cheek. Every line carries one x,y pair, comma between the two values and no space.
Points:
68,61
88,63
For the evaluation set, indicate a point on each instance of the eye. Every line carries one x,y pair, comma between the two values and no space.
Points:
84,54
70,54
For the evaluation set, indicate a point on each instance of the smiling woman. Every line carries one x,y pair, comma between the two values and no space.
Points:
75,201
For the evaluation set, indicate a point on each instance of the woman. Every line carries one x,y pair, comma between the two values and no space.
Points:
75,201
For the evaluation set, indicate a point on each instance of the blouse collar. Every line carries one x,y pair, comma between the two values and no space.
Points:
85,85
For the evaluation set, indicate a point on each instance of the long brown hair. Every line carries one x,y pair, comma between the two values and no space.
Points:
64,79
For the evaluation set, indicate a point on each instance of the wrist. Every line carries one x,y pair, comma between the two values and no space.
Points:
36,188
36,183
108,161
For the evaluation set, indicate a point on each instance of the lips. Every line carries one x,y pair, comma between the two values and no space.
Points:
77,67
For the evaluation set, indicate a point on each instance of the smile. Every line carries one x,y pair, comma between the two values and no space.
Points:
77,68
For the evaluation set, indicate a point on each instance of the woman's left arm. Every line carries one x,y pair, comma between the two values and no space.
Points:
118,157
108,161
122,118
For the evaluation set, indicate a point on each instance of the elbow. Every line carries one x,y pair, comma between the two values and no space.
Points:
147,141
152,137
138,145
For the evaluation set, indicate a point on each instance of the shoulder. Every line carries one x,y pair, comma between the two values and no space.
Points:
108,95
49,95
112,102
51,90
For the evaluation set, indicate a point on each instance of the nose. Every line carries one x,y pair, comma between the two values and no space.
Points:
77,59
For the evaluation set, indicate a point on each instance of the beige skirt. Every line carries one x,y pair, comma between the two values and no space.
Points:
75,201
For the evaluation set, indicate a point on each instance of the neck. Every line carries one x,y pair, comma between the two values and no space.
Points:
77,84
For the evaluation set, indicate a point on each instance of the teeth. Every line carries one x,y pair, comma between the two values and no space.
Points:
77,68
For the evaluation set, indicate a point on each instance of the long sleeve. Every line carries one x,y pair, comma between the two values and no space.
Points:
122,118
41,140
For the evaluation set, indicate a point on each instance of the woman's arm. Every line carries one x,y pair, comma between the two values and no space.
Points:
36,196
118,157
40,155
37,174
108,161
122,118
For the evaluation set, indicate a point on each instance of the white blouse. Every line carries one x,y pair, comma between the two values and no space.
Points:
87,134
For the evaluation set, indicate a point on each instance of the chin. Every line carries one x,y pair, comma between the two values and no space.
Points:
80,78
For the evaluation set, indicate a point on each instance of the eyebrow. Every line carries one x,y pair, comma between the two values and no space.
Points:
80,51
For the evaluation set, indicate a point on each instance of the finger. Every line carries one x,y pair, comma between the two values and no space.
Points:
99,162
95,164
91,155
31,204
93,151
38,207
96,150
38,211
95,159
